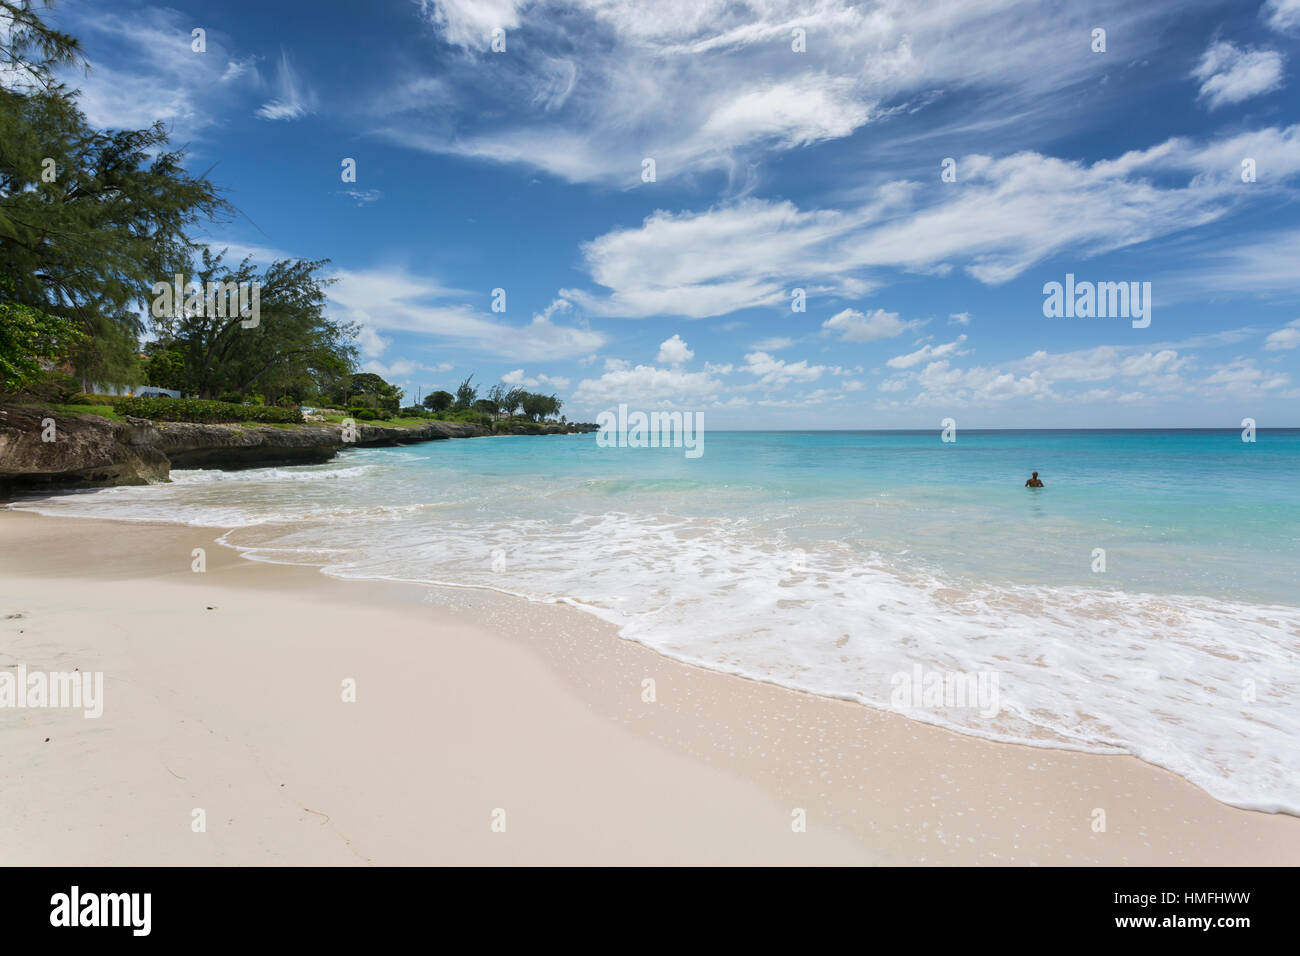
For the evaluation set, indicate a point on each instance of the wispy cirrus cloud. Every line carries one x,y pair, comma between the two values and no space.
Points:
143,69
1282,15
393,300
1011,213
928,353
1230,74
293,99
704,84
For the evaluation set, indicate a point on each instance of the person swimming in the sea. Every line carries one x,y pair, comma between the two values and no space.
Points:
1034,482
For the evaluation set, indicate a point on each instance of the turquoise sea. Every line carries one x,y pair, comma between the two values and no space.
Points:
834,561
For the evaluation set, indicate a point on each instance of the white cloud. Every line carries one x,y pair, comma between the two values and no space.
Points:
1011,213
774,344
702,84
469,23
646,385
800,111
517,377
959,318
1112,371
778,372
674,351
391,300
401,369
293,100
371,343
1264,265
162,78
1284,338
1282,15
1229,74
705,264
363,197
1241,377
927,353
855,326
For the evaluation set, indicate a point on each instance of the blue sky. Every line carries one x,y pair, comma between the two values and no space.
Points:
775,170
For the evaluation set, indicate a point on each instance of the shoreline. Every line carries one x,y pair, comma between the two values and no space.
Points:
546,702
97,451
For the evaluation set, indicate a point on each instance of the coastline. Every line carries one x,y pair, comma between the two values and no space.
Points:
469,701
95,451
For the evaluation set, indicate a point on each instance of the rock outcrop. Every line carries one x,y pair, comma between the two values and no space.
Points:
89,450
39,447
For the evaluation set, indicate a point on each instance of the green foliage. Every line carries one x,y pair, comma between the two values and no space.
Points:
165,368
87,235
513,400
532,428
51,387
364,414
367,390
86,238
500,398
31,48
469,415
80,408
466,394
540,407
26,336
292,348
439,401
200,410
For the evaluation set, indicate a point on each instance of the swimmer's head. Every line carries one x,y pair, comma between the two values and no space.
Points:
1035,474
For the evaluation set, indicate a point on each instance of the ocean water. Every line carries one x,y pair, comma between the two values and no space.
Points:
834,562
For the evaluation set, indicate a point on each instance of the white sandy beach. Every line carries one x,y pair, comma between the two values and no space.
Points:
223,691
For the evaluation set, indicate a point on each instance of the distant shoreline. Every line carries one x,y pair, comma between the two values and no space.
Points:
96,451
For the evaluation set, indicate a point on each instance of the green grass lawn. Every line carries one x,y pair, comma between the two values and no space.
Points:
402,422
386,423
103,411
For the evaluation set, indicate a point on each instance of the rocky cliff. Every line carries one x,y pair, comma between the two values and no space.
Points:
87,450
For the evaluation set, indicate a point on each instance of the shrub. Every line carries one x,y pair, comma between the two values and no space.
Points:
81,398
363,414
201,410
56,387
